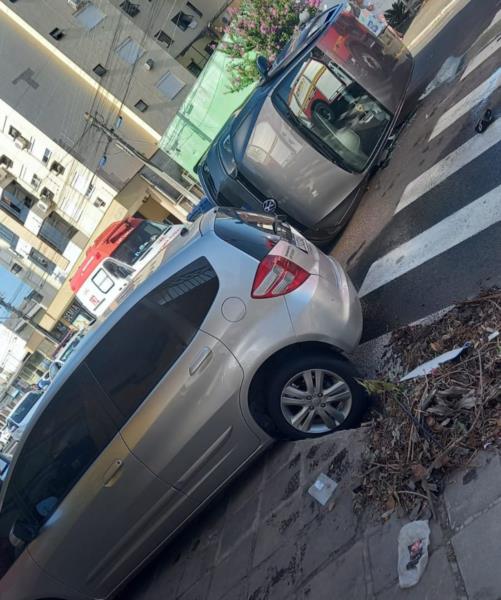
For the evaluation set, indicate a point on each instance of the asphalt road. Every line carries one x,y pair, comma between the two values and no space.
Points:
427,232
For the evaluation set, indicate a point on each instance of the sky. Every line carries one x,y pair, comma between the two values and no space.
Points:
12,288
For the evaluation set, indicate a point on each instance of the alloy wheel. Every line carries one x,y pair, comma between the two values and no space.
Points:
316,401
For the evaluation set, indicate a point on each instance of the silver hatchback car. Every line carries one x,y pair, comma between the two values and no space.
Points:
235,337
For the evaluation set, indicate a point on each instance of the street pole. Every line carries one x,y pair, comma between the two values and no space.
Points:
27,319
126,147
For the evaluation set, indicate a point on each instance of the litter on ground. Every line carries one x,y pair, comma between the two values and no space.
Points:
426,426
413,541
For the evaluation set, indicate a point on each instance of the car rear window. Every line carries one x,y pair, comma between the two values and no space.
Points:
252,233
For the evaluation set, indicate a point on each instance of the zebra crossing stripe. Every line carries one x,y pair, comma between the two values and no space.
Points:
479,94
444,235
496,19
449,165
482,56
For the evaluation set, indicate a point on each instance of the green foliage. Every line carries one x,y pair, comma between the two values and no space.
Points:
379,387
260,27
397,14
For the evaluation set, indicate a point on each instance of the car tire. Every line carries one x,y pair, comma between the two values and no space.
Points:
289,380
321,238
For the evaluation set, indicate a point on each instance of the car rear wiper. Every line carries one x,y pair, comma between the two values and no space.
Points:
282,228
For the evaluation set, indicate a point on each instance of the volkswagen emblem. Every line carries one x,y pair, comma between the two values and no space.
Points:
269,206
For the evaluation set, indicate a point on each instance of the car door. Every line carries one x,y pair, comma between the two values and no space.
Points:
189,430
97,509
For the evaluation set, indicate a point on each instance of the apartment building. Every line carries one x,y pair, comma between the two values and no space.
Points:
187,29
65,177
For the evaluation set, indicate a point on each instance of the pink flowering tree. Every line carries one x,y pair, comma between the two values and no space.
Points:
260,27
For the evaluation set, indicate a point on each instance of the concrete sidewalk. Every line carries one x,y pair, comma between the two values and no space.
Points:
430,20
267,539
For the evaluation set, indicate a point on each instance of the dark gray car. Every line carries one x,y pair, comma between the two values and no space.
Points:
309,136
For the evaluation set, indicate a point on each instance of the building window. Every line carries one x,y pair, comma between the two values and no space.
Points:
14,133
194,9
184,21
89,191
89,16
6,161
170,85
141,106
57,168
130,51
209,49
194,69
130,8
35,296
56,33
46,156
99,70
163,38
81,183
35,182
9,236
39,259
16,268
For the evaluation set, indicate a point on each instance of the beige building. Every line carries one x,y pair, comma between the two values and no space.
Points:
62,179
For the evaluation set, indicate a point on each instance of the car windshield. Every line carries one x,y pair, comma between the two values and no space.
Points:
24,407
336,114
137,244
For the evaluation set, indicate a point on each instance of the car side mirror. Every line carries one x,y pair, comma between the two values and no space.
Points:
53,370
21,533
262,66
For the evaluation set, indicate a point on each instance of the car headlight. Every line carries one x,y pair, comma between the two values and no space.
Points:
226,155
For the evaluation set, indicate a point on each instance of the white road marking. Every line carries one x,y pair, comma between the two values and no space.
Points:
482,56
442,15
449,165
451,231
496,19
479,94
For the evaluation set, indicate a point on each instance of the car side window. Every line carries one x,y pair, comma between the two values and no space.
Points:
66,439
136,353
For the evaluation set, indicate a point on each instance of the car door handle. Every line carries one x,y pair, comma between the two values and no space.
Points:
201,360
113,473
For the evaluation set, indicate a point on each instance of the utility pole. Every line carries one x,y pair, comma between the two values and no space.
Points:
27,319
126,147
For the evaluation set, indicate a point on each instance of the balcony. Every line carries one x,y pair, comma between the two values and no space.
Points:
16,201
56,232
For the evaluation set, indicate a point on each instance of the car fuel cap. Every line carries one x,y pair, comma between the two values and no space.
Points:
233,309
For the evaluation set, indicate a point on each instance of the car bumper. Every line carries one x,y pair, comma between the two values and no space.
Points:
326,308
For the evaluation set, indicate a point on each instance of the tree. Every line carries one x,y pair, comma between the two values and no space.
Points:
260,27
397,15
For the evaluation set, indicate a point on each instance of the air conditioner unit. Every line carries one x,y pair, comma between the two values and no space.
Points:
46,195
149,64
45,205
21,142
76,4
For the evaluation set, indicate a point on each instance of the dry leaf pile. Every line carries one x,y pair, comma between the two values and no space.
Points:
437,422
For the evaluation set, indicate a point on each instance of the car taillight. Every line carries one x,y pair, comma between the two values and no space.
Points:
276,276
